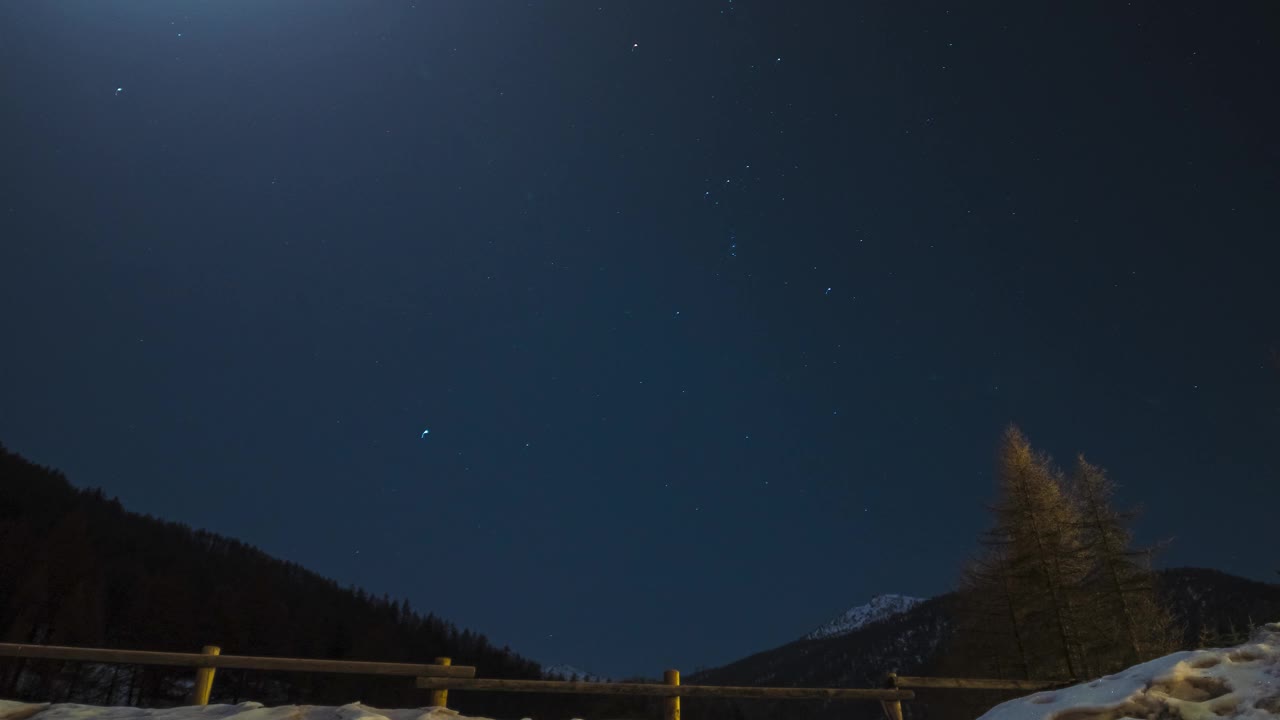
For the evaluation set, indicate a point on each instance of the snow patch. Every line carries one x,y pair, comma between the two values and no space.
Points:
568,671
244,711
1238,682
880,607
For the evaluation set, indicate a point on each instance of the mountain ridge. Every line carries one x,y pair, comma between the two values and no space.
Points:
1209,606
77,568
880,607
569,672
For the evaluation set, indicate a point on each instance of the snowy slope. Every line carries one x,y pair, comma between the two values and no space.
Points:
569,671
880,607
1237,682
244,711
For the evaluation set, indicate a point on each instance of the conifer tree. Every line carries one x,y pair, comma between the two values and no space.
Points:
1028,580
1128,623
992,631
1041,524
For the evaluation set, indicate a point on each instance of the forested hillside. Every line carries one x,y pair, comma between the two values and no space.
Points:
76,568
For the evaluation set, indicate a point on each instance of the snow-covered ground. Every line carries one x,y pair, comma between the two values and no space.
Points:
880,607
570,671
1237,682
244,711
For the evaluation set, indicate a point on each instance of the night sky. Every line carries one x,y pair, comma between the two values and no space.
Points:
715,311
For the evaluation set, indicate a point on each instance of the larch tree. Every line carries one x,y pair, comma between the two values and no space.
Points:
1033,562
992,635
1127,622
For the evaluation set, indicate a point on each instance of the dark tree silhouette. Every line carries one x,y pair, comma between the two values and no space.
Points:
77,569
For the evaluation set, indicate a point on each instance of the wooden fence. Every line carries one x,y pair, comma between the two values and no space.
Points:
671,690
442,676
944,683
211,658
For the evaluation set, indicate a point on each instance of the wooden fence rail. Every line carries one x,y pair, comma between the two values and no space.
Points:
671,690
247,662
211,658
922,683
656,690
443,676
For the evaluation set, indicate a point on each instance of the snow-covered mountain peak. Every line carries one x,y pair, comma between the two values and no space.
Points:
569,672
880,607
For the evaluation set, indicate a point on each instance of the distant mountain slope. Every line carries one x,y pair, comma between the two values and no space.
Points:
1210,606
1207,603
78,569
859,616
1216,607
569,672
904,642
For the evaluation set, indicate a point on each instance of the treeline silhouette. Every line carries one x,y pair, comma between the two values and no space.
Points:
76,568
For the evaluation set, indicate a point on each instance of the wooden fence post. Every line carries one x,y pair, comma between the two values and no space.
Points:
671,705
892,708
440,698
204,678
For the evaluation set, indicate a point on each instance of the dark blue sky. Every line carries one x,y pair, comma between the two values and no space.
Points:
715,310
